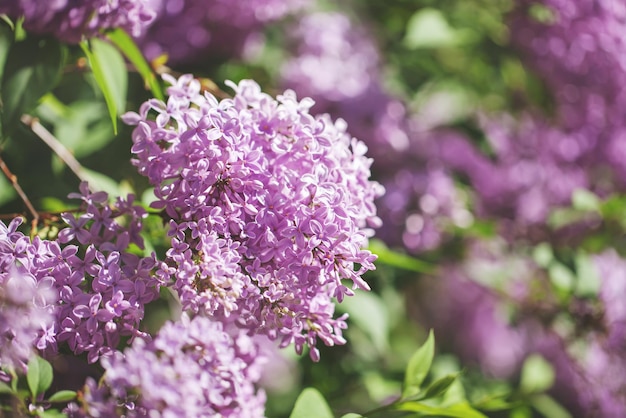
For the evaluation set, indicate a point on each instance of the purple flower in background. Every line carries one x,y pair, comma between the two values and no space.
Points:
191,31
73,20
271,207
192,368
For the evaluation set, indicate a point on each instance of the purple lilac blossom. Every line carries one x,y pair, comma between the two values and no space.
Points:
100,287
271,207
192,368
73,20
188,31
27,301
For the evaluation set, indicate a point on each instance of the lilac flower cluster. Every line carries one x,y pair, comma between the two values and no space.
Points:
188,31
98,287
192,368
26,300
73,20
336,62
270,207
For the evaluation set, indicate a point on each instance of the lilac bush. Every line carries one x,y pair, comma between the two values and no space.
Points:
192,368
73,20
271,208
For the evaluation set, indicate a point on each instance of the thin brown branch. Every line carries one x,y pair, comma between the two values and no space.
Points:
57,147
31,209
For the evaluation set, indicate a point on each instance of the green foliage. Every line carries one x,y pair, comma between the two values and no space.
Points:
33,67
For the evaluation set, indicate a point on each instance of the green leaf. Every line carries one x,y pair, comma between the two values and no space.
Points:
549,407
53,413
63,396
110,74
33,68
7,37
537,375
418,366
369,313
130,50
311,404
4,388
561,277
462,410
352,415
38,376
440,386
396,259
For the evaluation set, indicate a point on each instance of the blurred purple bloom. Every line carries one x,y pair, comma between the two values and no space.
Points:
73,20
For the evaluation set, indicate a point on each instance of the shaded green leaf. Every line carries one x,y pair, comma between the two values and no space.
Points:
7,37
537,375
418,366
440,386
33,68
63,396
311,404
4,388
127,45
110,74
39,376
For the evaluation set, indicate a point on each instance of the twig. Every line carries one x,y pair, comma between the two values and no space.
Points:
13,179
54,144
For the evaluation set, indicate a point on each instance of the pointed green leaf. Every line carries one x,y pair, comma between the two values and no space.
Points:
462,410
7,37
33,68
109,71
396,259
311,404
38,376
418,366
440,386
63,396
129,48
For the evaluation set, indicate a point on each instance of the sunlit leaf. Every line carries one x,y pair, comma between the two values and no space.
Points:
396,259
110,74
368,312
63,396
130,50
418,366
311,404
462,410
